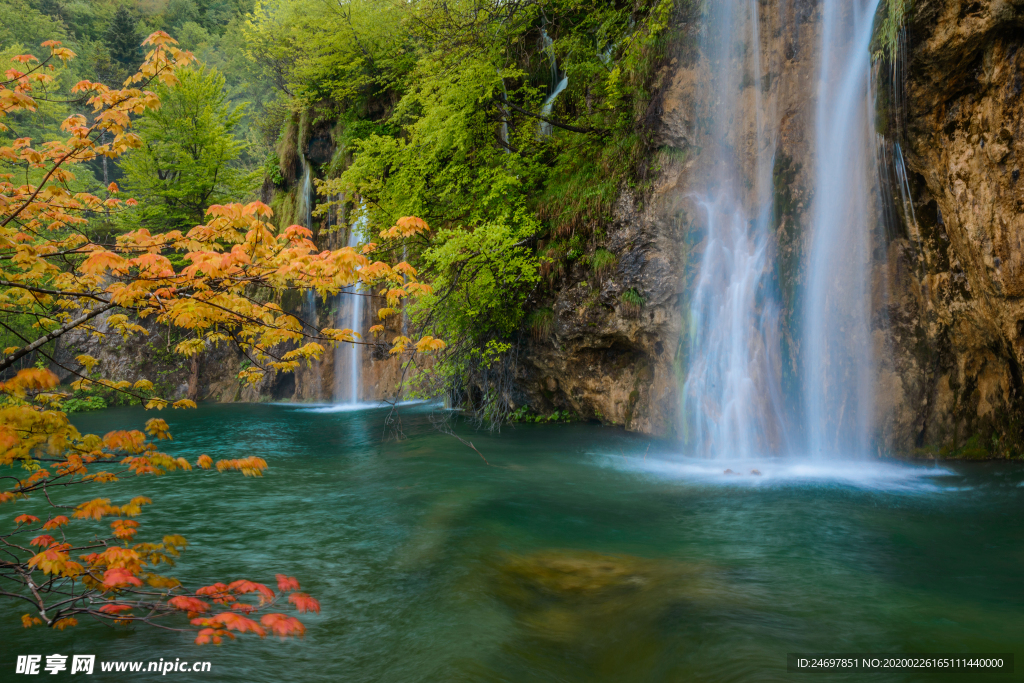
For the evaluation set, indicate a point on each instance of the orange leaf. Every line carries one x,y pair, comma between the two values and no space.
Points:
304,603
286,583
58,521
186,604
119,576
114,608
25,519
282,625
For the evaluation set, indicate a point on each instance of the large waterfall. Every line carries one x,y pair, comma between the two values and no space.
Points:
734,404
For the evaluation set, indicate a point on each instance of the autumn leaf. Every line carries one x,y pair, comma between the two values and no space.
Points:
187,604
115,608
304,603
119,576
58,521
286,583
282,625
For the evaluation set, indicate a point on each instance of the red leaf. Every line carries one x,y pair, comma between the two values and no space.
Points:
283,625
119,576
114,608
186,604
286,583
304,603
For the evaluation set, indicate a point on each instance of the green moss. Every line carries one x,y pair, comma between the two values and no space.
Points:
632,302
542,323
603,262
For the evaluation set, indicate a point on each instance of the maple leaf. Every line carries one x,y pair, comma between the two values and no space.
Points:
187,604
26,519
304,603
115,608
94,509
158,428
233,621
43,541
205,461
286,583
64,623
119,576
58,521
242,587
283,625
29,621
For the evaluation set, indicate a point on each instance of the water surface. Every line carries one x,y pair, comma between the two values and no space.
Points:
580,553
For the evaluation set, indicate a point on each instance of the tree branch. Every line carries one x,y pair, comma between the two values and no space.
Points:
10,360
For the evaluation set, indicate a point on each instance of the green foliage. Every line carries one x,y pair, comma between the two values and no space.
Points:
189,158
82,404
889,28
431,107
603,262
632,302
525,414
123,38
542,323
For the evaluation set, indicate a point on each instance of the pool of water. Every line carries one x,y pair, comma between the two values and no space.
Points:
579,553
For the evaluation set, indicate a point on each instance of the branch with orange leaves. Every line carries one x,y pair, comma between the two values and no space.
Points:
65,570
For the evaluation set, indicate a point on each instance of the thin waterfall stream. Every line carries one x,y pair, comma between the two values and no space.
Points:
348,358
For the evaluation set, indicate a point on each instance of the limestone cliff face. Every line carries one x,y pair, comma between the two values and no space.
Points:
955,278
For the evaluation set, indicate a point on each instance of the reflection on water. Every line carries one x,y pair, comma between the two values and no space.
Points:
582,555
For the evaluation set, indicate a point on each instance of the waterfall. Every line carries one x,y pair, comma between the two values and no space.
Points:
838,363
732,404
348,358
304,208
557,84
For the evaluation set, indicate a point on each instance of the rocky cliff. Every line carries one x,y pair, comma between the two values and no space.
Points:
955,276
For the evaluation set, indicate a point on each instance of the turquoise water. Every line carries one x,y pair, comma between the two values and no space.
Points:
580,554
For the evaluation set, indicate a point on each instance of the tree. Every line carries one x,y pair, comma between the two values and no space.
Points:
122,37
54,560
189,155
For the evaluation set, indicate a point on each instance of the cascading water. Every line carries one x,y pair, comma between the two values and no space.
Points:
348,358
305,209
558,84
732,406
838,361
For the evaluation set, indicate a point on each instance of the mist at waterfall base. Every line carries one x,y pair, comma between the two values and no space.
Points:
432,566
735,409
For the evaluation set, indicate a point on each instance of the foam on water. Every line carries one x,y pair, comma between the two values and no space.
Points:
345,407
876,474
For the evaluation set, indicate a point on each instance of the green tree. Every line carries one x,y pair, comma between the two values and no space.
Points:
123,37
189,155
